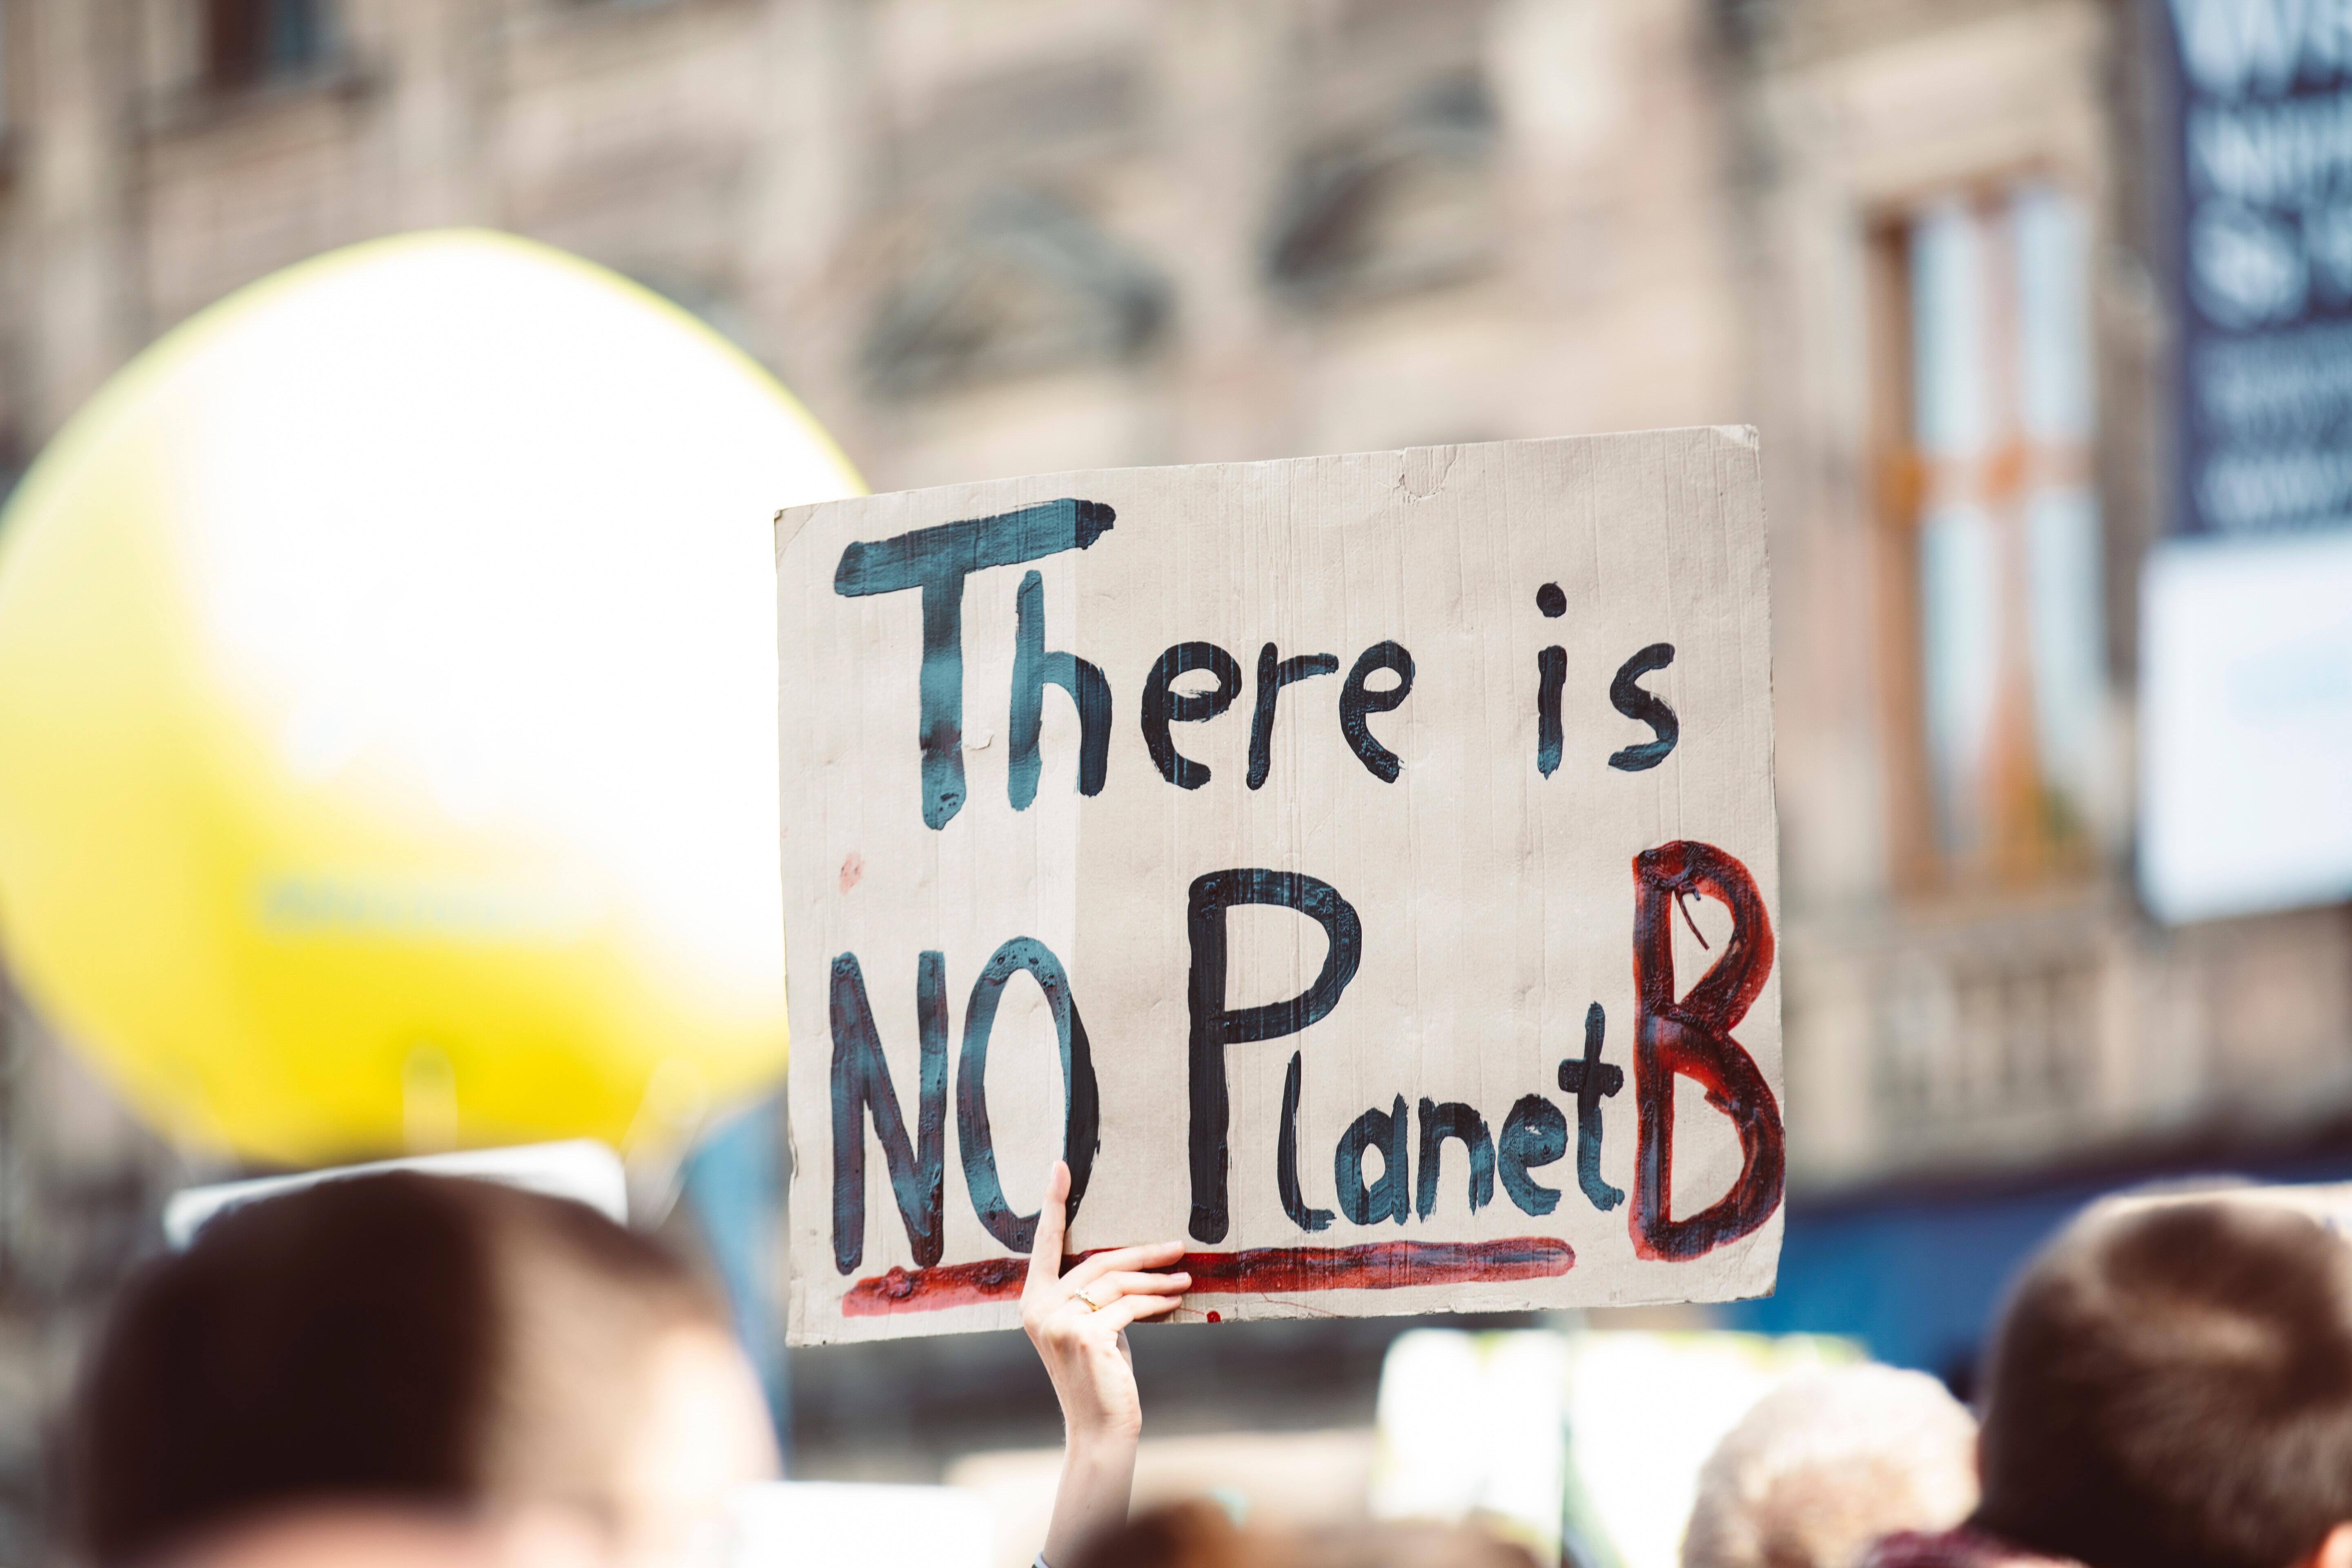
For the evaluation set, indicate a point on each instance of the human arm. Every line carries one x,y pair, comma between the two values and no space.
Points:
1079,1322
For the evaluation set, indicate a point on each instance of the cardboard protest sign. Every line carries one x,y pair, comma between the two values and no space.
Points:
1360,868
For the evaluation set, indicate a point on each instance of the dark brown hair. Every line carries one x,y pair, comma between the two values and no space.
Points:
395,1337
2171,1387
1199,1534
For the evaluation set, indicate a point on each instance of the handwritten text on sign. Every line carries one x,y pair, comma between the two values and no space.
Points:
1360,866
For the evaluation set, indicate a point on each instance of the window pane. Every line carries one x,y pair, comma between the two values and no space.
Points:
1947,331
2062,548
1960,636
2053,351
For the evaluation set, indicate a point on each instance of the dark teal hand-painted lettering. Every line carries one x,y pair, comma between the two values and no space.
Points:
861,1083
1535,1134
938,560
1216,1024
1551,672
1033,669
1357,699
1285,1157
1082,1105
1162,706
1627,697
1453,1119
1591,1080
1273,675
1390,1197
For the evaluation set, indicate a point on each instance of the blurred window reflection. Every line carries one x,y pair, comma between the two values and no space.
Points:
255,42
1996,523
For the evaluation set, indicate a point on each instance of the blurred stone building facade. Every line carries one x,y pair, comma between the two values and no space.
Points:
1918,242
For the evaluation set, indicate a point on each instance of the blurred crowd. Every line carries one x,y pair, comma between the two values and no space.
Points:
396,1369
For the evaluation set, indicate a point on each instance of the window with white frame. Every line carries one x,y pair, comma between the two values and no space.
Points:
1999,686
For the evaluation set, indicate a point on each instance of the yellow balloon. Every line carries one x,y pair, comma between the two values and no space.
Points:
387,718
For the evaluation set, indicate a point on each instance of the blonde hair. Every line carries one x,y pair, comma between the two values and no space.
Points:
1826,1465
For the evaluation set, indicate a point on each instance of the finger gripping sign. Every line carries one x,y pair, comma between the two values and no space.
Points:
1359,870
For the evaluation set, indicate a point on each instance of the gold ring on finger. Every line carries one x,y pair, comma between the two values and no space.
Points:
1088,1296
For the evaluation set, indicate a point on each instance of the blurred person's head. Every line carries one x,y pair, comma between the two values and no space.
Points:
2171,1386
1827,1464
1199,1534
405,1368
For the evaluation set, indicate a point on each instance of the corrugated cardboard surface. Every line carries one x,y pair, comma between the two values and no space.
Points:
1497,904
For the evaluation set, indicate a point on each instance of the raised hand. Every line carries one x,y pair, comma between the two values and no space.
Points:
1079,1322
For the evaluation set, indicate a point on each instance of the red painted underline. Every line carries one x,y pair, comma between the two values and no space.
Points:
1266,1271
